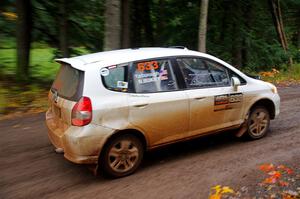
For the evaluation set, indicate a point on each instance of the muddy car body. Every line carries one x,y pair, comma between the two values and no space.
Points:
107,108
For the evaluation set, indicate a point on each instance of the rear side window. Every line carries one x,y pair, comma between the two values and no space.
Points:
153,76
68,83
115,77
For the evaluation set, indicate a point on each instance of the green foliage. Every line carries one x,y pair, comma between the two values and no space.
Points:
239,32
42,65
7,61
85,23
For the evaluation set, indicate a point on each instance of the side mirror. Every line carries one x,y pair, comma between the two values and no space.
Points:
235,82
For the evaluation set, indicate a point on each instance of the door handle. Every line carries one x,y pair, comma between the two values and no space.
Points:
199,98
140,105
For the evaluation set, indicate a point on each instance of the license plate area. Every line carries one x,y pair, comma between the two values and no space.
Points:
57,111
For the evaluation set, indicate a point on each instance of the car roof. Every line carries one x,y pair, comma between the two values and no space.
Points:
127,55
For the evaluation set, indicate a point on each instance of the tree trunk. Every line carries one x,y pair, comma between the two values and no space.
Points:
143,30
248,14
63,30
161,24
202,26
277,20
147,23
24,25
236,50
298,39
137,24
125,23
236,24
112,32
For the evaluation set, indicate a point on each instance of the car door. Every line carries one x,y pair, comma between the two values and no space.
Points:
157,107
213,103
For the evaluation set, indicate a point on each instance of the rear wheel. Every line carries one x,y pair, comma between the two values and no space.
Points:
258,123
122,156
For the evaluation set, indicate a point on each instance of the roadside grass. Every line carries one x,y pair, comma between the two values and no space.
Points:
282,78
21,98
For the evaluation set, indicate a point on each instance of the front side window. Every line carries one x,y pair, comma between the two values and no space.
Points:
218,72
115,77
153,76
199,73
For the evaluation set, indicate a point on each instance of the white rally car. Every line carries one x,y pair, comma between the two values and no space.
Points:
107,108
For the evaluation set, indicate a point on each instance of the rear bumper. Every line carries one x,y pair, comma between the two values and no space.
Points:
81,145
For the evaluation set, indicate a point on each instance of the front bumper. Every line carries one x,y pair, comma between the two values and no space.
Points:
81,145
276,100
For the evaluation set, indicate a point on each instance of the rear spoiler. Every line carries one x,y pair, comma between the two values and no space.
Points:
75,63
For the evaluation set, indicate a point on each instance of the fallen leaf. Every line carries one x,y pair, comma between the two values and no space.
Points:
227,190
281,167
215,196
266,167
270,180
290,192
275,174
289,171
283,183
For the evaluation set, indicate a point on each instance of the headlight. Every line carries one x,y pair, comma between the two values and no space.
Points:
273,88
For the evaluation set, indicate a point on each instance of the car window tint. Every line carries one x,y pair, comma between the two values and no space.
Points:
115,77
195,72
218,72
153,76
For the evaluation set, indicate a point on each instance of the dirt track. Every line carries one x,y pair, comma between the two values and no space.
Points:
29,167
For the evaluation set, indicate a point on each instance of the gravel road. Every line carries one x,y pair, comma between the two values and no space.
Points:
29,167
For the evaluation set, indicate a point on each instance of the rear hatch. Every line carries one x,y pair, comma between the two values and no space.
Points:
66,90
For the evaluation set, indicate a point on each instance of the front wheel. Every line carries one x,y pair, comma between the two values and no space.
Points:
258,123
122,156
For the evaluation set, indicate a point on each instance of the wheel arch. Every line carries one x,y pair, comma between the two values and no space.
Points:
133,132
267,103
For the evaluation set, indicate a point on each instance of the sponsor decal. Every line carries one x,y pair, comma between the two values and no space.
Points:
228,101
121,84
112,67
104,72
151,77
163,74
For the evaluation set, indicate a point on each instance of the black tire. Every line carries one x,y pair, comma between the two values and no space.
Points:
121,156
258,123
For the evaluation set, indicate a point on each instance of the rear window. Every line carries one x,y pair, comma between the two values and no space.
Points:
68,83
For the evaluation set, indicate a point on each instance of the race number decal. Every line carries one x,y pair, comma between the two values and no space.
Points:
149,65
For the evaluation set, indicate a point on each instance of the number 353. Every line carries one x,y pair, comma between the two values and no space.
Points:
151,65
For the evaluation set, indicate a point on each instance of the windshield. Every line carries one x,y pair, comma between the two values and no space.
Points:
68,83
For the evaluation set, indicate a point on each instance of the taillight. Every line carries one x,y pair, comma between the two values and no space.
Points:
82,112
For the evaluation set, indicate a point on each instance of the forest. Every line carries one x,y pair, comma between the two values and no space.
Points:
243,33
254,36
